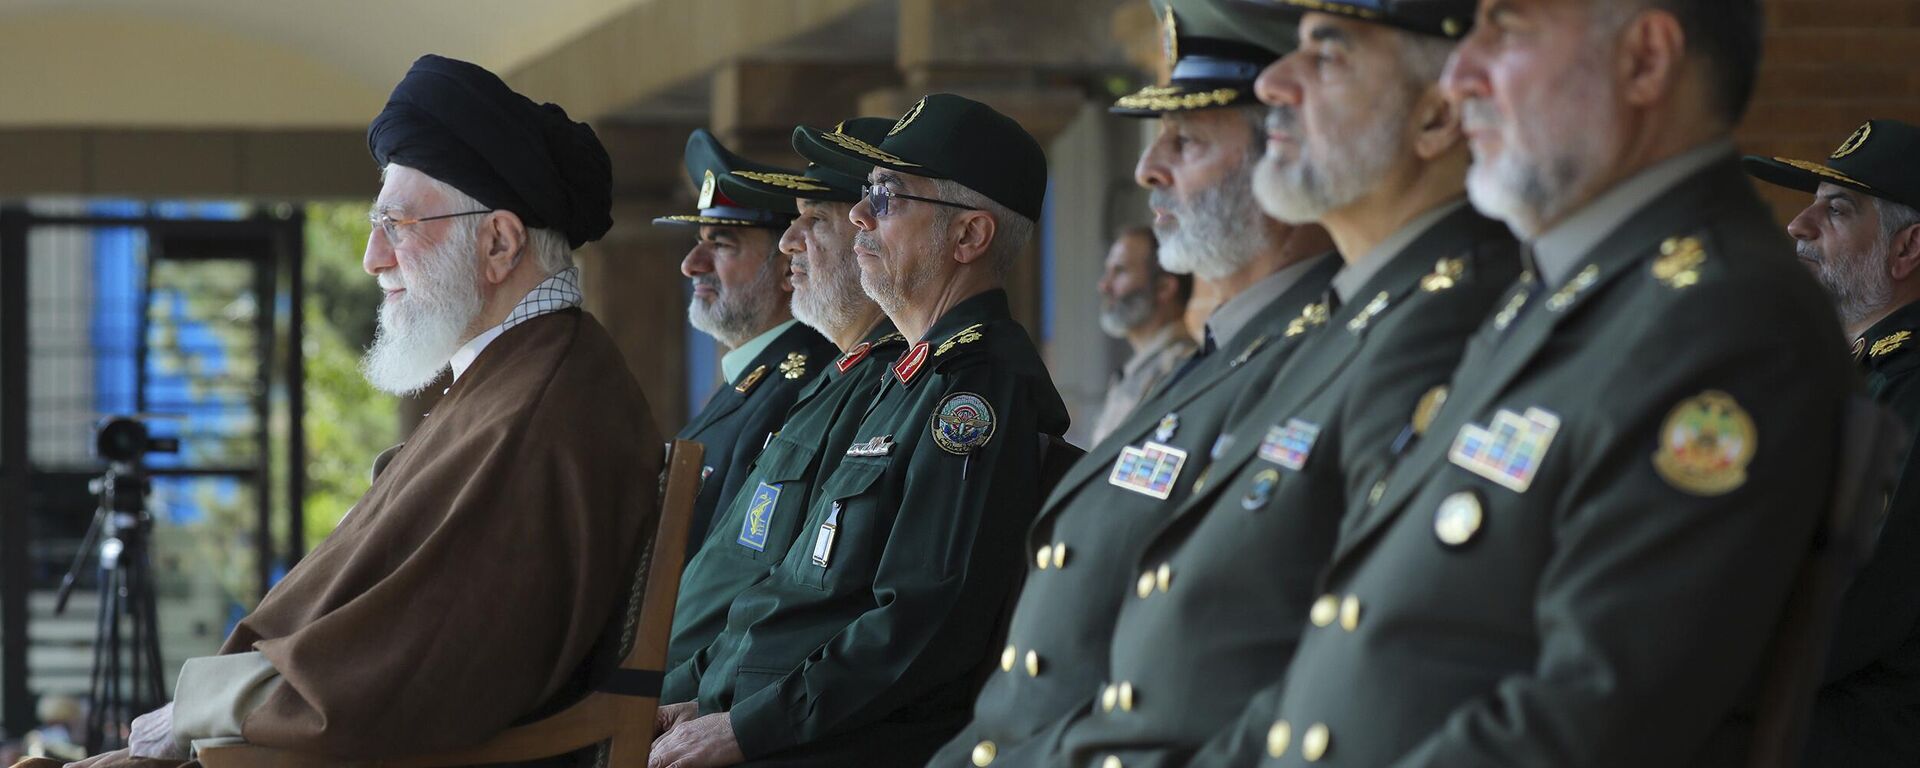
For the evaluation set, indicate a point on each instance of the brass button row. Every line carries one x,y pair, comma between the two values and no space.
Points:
984,753
1010,655
1330,608
1051,556
1157,579
1313,744
1117,696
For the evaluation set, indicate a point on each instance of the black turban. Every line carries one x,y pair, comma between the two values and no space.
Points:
460,124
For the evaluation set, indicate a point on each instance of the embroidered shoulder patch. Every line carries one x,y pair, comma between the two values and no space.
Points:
753,530
1705,445
962,423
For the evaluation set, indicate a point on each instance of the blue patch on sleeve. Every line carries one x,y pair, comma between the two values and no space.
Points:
753,530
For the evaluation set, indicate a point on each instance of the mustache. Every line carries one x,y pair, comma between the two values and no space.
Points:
708,281
1282,118
1807,251
867,241
391,281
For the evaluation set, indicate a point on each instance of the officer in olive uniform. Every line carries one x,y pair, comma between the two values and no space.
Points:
1213,613
753,400
752,532
1583,559
863,645
1868,712
1083,545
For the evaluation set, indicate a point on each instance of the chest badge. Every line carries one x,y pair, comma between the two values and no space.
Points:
879,445
795,366
753,530
962,424
1290,445
1150,469
1509,450
1168,424
1458,519
1260,491
1705,445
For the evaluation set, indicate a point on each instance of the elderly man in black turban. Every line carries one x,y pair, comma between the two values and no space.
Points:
465,590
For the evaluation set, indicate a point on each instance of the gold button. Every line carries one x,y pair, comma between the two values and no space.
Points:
983,753
1350,613
1126,696
1163,578
1044,558
1144,587
1379,490
1006,659
1112,761
1458,519
1314,743
1278,737
1325,610
1059,555
1033,664
1109,697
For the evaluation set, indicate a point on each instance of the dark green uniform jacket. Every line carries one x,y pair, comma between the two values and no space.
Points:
1868,713
1082,546
1583,560
751,533
864,644
736,420
1214,611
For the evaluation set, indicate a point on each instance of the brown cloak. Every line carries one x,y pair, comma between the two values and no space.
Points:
467,587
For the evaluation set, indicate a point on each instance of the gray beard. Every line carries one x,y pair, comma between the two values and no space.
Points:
1218,234
1341,172
420,331
833,299
890,290
735,316
1125,313
1855,287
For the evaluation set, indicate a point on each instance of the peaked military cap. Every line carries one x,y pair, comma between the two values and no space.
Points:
1214,53
818,183
707,162
1451,19
944,136
1882,159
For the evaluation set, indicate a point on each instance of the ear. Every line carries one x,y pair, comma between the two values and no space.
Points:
1651,58
1903,253
1436,124
1166,290
503,241
975,230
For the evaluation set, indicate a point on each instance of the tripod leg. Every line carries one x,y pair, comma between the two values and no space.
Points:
95,737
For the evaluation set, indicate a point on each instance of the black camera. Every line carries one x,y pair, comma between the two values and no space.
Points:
124,440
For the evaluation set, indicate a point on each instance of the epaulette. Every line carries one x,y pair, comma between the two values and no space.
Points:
967,335
1886,345
1679,262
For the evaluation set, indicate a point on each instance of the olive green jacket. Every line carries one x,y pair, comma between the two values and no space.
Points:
1583,561
752,533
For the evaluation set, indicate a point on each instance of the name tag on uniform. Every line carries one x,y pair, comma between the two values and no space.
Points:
753,530
1507,451
823,543
1149,469
1290,445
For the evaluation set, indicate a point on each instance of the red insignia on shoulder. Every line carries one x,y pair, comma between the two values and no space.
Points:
911,362
853,357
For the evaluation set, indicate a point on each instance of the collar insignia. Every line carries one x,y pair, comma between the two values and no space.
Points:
1679,263
911,362
795,365
1446,273
746,384
853,357
1888,344
1311,316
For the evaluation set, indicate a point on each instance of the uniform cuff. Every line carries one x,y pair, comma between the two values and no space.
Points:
760,724
215,694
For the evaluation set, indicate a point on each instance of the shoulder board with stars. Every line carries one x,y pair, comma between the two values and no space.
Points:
752,380
1889,344
967,335
1678,265
795,366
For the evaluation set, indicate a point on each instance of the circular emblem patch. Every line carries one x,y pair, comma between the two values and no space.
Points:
1705,445
962,423
1854,142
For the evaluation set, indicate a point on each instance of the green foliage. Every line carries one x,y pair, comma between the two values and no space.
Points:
348,422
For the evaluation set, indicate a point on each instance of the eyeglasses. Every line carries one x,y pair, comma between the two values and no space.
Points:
390,226
879,198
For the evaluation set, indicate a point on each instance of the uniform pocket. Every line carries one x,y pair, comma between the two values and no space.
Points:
842,532
763,519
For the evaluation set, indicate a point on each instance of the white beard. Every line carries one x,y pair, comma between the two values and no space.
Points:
1333,174
420,330
1217,232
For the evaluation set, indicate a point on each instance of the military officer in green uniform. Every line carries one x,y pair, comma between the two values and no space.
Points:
1082,547
1361,139
1861,236
740,298
752,532
863,645
1583,558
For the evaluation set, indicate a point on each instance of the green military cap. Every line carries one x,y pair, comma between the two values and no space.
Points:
1882,159
707,162
818,183
1451,19
1214,53
944,136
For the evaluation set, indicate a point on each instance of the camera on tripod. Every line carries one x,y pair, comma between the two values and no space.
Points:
126,677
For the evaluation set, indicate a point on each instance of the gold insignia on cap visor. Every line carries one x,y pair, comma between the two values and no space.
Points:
1854,142
870,151
707,187
783,180
1821,170
907,119
1170,38
1705,445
